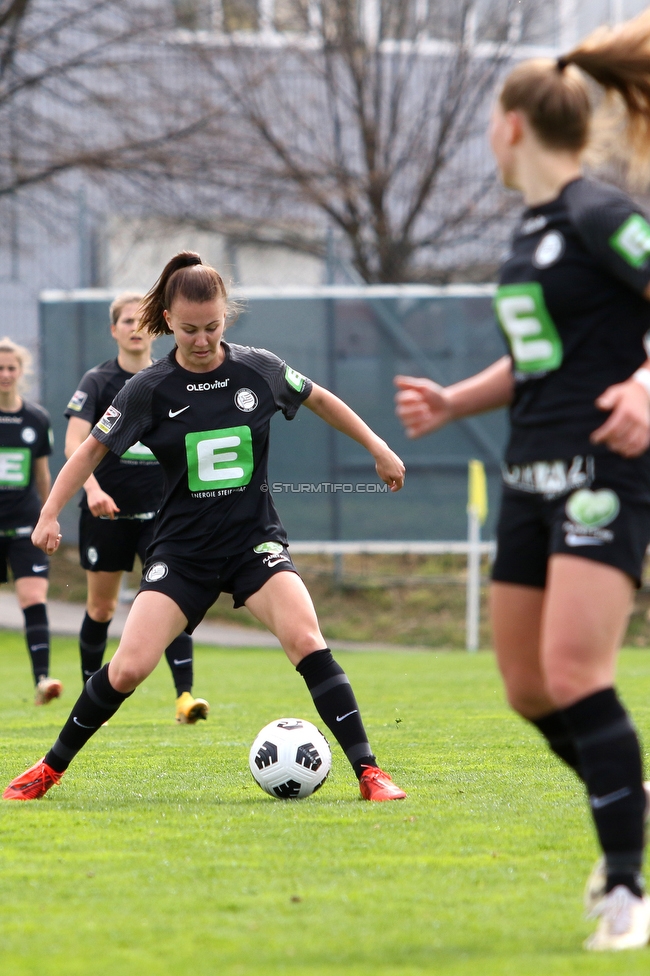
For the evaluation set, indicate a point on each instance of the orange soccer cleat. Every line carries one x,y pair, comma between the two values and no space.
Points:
33,783
46,690
375,784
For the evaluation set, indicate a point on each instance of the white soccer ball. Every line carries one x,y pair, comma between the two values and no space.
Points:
290,759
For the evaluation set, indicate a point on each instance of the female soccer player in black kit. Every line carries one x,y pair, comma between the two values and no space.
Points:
25,443
574,525
204,411
119,505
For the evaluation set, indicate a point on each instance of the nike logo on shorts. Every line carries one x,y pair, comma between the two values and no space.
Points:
339,718
175,413
598,802
187,660
38,569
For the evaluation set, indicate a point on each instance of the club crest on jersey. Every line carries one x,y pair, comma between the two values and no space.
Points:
108,421
246,400
589,512
77,401
549,250
28,434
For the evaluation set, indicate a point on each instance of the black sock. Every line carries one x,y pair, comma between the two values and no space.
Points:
556,732
92,644
610,760
337,706
37,635
179,656
94,706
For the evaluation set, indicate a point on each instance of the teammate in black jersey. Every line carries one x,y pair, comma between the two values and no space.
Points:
205,412
572,302
119,505
25,444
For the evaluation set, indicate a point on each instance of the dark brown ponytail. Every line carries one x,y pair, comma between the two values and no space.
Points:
184,275
555,96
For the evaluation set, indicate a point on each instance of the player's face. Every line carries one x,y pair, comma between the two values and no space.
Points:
198,330
501,143
125,331
10,372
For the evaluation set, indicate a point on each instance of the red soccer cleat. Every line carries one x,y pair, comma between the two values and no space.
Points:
375,784
33,783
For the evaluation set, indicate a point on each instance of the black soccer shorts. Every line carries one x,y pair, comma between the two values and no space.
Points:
19,552
606,519
110,545
195,585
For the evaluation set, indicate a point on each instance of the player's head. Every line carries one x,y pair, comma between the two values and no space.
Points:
125,314
184,278
548,101
15,363
189,300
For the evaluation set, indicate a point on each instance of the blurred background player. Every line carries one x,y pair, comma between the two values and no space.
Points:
25,443
218,529
575,511
119,505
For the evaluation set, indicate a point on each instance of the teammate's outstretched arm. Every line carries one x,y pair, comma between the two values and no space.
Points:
73,474
337,414
424,406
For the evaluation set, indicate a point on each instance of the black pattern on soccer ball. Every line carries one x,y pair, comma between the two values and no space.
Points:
267,754
307,756
287,791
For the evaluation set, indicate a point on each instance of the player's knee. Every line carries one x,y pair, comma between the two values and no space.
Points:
303,644
126,675
566,687
101,610
527,701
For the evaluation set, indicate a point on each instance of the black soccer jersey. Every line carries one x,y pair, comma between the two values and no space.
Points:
570,304
24,436
134,480
210,432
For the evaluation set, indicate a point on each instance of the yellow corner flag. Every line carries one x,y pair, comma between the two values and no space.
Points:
477,499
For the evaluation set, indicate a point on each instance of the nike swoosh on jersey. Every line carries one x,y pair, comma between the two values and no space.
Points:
175,413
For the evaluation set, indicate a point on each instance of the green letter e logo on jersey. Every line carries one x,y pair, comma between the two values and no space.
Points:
533,339
219,458
295,379
632,240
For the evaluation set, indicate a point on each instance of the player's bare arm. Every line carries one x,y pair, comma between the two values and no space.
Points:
99,501
74,473
337,414
424,406
42,478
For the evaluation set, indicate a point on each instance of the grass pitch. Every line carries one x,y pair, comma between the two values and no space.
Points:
159,855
